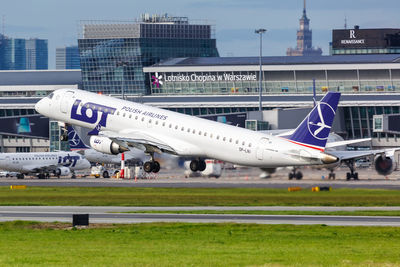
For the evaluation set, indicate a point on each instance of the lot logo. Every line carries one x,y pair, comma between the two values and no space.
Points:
89,113
68,161
157,80
319,122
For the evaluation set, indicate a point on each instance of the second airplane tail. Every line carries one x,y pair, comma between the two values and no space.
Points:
75,142
314,130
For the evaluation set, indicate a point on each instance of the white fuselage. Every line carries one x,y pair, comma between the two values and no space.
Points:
30,162
189,136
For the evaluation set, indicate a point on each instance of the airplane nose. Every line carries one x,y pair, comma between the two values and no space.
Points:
39,107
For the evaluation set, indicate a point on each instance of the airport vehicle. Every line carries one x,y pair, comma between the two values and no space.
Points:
60,163
119,124
92,155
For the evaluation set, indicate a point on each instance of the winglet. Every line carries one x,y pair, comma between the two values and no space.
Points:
74,140
314,130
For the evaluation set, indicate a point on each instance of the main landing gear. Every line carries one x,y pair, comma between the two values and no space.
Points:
351,174
197,165
294,174
152,165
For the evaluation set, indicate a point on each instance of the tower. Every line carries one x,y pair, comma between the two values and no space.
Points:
304,39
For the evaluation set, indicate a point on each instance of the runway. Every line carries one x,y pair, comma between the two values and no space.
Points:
104,215
204,183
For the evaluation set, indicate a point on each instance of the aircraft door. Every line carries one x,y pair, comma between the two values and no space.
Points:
262,149
65,101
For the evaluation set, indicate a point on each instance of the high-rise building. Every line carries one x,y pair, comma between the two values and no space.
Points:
113,54
36,54
23,54
67,58
304,39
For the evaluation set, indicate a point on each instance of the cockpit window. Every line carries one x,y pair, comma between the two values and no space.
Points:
50,95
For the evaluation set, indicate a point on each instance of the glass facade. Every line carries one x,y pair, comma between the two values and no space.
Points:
274,82
22,54
113,56
68,58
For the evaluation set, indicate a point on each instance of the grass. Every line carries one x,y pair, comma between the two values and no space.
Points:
113,196
278,212
177,244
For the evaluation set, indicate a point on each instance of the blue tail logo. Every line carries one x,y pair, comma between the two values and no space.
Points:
314,130
75,142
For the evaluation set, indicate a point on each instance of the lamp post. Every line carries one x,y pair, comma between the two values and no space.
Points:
123,64
260,32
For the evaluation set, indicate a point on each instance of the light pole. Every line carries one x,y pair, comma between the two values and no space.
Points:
123,64
260,32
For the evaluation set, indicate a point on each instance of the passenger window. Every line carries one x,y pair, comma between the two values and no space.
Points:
217,137
194,131
150,121
170,125
243,143
205,133
199,132
156,122
237,142
130,116
249,144
136,117
183,128
188,130
230,140
176,127
224,138
117,112
124,115
211,135
143,119
163,124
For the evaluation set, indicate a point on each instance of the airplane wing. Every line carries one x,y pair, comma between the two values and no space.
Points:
147,141
38,169
345,142
345,155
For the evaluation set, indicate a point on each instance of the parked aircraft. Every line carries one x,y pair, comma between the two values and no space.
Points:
119,124
44,163
92,155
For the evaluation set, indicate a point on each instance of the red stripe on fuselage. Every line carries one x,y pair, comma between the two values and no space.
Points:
300,144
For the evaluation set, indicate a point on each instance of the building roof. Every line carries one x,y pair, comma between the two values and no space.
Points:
40,77
281,60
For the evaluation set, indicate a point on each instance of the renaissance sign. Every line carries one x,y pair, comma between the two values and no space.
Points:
362,38
226,77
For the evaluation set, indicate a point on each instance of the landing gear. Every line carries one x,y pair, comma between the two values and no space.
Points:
152,165
41,176
20,176
332,175
106,174
294,174
197,165
351,174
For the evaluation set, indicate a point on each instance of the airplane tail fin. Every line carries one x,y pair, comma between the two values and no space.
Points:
314,130
75,142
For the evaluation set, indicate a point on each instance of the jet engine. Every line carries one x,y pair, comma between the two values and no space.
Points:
383,165
106,145
62,171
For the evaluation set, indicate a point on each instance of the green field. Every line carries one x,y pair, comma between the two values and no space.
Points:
28,244
113,196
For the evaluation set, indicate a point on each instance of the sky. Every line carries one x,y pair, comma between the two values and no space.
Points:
234,20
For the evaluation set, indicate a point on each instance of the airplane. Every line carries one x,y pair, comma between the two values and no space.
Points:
43,163
92,155
119,124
